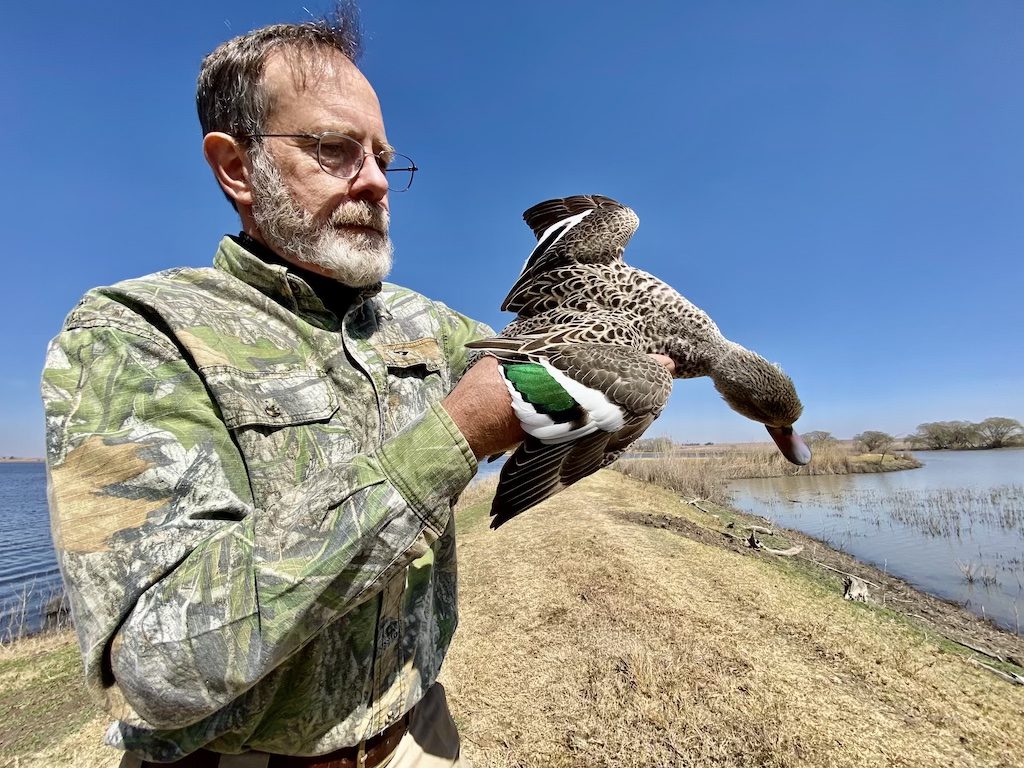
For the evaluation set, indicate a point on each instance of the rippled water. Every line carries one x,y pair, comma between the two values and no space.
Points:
28,568
954,528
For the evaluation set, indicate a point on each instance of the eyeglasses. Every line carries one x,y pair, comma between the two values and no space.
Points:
342,157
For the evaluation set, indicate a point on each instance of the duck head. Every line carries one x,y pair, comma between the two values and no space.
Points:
759,390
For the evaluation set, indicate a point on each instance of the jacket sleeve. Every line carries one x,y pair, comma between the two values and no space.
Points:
184,594
458,330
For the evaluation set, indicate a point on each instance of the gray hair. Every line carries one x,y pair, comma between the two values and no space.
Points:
229,93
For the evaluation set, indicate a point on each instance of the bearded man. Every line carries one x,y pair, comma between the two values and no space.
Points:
252,466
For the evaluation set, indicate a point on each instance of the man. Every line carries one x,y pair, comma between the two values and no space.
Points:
252,467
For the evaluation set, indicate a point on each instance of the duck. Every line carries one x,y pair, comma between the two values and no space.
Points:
577,359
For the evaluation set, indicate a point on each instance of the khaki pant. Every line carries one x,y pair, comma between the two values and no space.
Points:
431,741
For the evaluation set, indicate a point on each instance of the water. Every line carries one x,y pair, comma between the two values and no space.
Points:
28,567
954,528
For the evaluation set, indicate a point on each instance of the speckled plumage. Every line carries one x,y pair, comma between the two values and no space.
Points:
580,307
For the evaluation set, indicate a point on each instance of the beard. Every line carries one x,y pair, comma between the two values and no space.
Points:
356,258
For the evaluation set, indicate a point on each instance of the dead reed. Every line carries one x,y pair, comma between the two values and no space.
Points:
704,472
977,573
942,512
37,609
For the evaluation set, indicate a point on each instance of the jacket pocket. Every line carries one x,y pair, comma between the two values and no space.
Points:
278,399
411,358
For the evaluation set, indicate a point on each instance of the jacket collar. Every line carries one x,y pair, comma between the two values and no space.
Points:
321,300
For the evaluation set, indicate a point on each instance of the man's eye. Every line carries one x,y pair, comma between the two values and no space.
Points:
335,152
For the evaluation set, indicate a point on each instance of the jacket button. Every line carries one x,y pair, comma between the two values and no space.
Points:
272,409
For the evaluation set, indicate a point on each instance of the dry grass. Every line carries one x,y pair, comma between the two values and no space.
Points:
479,491
587,640
704,473
46,717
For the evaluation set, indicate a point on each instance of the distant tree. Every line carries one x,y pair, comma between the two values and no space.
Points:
965,434
939,435
998,431
934,435
874,442
817,437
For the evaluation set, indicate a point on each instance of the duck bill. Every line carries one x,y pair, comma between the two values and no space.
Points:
791,444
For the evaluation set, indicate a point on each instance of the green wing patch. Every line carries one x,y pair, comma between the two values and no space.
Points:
540,390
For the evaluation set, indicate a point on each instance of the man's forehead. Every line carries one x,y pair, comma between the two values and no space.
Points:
296,70
321,91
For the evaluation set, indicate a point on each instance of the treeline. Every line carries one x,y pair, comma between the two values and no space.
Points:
997,432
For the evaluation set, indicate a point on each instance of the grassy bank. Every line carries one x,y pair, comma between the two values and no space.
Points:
617,625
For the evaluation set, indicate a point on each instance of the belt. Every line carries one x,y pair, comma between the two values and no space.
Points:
369,753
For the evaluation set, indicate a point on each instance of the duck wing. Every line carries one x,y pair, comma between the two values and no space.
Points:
576,402
587,229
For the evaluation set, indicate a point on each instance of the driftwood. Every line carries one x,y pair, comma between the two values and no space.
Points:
855,589
794,550
844,573
982,651
694,503
1010,677
754,543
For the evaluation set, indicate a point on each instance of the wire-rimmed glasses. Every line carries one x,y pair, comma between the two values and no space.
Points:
342,156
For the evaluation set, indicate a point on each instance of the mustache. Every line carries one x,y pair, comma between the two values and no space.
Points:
359,213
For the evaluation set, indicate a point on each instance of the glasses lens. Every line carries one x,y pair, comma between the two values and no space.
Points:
340,155
400,172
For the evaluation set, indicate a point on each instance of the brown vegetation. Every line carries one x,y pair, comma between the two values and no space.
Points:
609,627
705,472
615,625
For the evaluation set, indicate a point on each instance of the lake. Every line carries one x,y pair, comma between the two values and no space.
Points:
28,567
954,528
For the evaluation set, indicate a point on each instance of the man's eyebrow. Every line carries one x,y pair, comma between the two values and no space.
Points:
347,129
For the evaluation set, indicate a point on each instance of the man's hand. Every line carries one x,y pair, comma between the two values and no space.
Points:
667,363
481,408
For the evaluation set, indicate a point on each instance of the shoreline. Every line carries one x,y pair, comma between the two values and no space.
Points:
946,618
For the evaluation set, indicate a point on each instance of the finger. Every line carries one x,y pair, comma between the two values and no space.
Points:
667,363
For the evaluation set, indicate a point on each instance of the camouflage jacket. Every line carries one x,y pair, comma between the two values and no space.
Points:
250,492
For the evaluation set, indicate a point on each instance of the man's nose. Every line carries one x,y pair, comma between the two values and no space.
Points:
371,183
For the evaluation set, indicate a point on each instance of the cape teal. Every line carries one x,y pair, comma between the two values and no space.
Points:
576,360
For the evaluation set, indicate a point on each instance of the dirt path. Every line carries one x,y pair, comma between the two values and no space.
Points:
594,634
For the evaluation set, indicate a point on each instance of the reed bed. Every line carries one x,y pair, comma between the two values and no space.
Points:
705,472
940,513
36,610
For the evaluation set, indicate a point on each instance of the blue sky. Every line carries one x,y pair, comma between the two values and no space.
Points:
838,184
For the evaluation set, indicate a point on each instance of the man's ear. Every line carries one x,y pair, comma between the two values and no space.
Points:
227,159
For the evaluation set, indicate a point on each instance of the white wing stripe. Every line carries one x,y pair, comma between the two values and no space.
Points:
567,223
